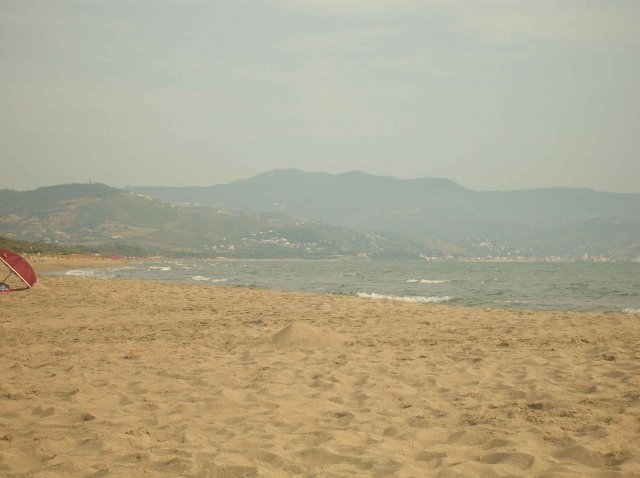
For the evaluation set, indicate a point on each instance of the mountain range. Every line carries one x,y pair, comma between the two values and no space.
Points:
110,220
292,213
550,221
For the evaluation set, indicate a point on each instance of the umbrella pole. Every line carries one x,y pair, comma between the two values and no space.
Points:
5,279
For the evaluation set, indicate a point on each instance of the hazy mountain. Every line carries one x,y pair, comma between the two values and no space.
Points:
540,221
296,214
95,215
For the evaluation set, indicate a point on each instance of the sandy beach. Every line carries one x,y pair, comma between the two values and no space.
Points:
44,264
128,378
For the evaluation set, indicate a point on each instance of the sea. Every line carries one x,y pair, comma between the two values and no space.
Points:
603,287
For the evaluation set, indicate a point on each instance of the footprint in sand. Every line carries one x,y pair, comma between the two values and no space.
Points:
234,472
590,458
43,413
320,456
341,419
174,466
520,460
433,459
312,439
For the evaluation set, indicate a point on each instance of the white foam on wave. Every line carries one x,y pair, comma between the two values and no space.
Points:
159,268
426,281
208,279
631,311
120,268
414,298
81,272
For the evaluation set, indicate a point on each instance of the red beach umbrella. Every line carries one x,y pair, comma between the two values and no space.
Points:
18,266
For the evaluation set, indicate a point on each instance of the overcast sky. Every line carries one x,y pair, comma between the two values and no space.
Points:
493,94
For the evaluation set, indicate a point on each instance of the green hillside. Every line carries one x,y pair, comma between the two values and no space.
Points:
29,247
101,218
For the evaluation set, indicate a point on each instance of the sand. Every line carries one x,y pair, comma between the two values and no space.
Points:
51,263
128,378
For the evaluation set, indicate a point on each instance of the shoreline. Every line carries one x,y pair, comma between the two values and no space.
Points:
51,272
44,264
48,269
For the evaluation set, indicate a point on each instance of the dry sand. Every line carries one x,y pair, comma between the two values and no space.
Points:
128,378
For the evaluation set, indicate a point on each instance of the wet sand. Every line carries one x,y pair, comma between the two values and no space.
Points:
44,264
132,378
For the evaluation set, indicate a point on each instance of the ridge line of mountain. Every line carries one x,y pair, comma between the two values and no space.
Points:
329,214
356,173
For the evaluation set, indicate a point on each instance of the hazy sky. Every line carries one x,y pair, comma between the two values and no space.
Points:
493,94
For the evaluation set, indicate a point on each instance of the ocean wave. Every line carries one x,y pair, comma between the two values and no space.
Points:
81,272
426,281
120,268
631,311
414,298
208,279
159,268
